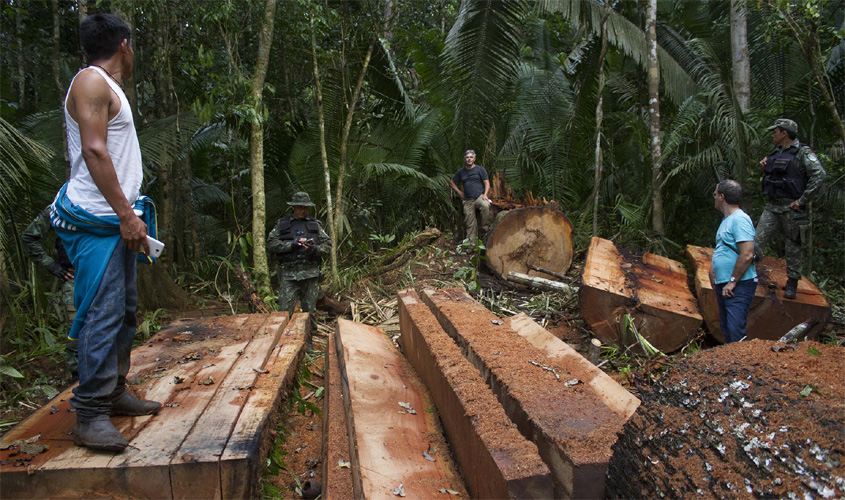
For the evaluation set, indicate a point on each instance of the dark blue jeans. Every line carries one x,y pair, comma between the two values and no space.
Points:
733,311
105,339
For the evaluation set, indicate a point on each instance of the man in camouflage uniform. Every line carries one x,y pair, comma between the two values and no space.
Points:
792,175
60,267
299,242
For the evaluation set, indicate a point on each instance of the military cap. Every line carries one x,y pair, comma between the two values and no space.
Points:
301,199
785,124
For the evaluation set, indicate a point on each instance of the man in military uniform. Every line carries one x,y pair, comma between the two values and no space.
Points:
299,242
60,267
792,175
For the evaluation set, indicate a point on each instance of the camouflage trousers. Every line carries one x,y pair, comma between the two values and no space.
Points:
793,225
71,345
304,290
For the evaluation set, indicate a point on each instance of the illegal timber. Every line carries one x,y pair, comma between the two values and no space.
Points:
651,288
538,236
771,315
221,380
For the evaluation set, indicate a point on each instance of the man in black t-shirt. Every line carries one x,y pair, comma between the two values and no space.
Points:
476,185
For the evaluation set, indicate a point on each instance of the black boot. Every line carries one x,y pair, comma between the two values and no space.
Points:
98,434
130,406
791,288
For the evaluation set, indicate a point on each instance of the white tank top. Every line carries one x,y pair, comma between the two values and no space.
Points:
122,145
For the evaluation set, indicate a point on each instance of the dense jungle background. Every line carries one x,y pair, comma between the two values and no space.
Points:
625,113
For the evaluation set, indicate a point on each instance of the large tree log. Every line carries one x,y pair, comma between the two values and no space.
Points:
771,316
651,288
530,236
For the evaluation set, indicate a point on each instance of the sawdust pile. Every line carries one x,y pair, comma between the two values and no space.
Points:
755,419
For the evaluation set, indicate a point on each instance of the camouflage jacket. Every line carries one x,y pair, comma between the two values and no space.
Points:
302,269
33,236
814,172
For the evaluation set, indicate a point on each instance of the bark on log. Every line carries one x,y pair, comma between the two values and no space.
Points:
530,236
651,288
771,315
540,283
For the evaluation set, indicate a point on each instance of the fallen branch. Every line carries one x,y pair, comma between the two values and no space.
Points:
540,283
799,330
550,273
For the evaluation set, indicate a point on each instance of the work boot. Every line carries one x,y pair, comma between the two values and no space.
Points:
130,406
98,434
791,288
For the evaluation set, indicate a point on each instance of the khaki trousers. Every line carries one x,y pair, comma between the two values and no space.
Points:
483,206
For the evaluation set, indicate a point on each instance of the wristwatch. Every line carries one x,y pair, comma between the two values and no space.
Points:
733,278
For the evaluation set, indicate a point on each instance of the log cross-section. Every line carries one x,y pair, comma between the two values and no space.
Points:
651,288
530,237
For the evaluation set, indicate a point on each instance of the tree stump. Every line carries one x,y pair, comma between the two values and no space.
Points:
530,236
771,315
651,288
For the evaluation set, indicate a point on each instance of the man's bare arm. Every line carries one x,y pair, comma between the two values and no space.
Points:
455,187
486,189
90,104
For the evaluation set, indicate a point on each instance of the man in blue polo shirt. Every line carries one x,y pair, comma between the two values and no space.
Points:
732,273
476,186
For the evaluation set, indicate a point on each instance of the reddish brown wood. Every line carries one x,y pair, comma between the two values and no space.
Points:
572,428
386,442
530,236
171,367
613,395
337,478
651,288
496,460
771,315
241,468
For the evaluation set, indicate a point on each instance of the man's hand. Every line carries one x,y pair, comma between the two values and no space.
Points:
763,163
134,233
303,242
795,206
728,289
60,272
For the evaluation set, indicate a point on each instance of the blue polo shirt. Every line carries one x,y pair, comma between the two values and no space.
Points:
734,229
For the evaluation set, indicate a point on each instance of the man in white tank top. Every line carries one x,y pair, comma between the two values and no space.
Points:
105,180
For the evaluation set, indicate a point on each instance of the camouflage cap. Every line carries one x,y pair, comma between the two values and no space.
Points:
785,124
301,199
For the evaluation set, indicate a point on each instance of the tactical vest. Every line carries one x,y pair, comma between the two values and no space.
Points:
291,229
785,177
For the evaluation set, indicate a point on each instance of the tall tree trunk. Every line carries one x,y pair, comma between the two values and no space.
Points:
125,10
654,119
21,74
344,139
82,9
599,157
741,72
323,155
256,153
57,80
164,107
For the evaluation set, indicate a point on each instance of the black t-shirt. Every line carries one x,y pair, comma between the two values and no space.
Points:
472,180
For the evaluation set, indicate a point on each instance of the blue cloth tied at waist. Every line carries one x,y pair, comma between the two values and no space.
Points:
89,241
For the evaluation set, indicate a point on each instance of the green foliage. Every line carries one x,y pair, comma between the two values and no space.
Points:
150,325
468,273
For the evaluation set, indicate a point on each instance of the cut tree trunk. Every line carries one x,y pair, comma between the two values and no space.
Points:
771,316
530,236
651,288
